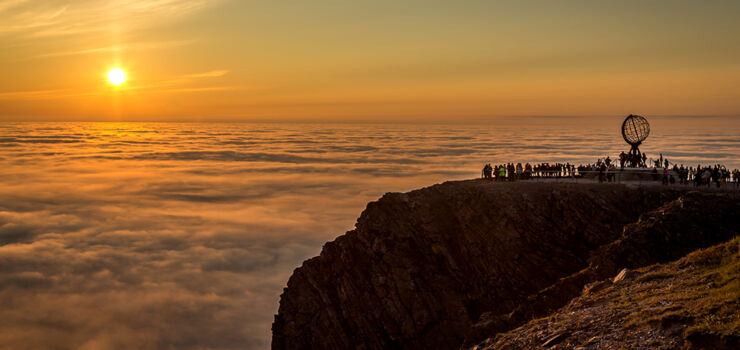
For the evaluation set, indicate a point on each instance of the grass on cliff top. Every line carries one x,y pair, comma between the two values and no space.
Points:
658,307
701,290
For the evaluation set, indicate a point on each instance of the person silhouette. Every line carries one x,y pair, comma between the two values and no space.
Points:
487,169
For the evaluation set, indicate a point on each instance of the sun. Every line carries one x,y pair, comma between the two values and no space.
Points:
116,76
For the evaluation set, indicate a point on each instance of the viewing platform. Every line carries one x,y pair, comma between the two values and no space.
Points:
632,174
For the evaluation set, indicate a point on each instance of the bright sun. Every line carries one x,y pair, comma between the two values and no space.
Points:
116,76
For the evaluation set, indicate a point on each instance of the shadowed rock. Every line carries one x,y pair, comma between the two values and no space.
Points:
695,220
422,268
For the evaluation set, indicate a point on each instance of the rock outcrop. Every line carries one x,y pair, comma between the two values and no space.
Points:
691,303
432,267
694,220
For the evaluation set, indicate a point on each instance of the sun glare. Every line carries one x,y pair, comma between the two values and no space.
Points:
116,76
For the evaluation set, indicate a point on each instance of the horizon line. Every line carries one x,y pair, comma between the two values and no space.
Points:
365,120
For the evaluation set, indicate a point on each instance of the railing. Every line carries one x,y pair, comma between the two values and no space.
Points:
626,175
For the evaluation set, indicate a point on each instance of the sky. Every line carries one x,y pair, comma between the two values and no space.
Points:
148,235
314,60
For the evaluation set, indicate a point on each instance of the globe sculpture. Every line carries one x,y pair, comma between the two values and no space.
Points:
635,129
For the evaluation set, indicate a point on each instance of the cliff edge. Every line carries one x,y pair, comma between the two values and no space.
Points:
456,263
691,303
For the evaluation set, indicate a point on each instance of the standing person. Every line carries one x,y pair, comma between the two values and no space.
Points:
660,161
698,172
716,176
644,158
665,176
706,177
622,159
487,169
697,176
510,170
502,173
519,171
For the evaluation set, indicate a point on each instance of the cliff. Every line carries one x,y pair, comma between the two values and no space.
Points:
692,303
456,263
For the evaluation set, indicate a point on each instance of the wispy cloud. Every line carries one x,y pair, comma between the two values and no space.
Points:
68,93
197,89
167,86
119,48
195,76
35,94
52,18
211,74
6,4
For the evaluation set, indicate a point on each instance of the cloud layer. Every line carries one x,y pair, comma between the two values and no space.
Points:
155,236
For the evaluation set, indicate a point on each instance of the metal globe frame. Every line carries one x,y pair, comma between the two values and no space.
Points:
635,129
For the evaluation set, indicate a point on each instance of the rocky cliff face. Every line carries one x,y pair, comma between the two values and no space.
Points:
432,267
694,220
691,303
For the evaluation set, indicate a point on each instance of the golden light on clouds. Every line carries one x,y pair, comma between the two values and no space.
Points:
116,76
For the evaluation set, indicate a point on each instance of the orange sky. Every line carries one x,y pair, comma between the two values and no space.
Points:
366,60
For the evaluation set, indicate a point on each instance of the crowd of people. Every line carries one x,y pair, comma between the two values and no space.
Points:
518,171
635,160
705,176
605,170
511,172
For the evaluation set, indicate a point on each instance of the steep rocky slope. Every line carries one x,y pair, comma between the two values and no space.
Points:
694,220
463,261
692,303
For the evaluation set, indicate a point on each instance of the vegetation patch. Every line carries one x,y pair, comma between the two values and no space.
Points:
690,303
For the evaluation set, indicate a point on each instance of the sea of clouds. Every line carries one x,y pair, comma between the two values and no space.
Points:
150,236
